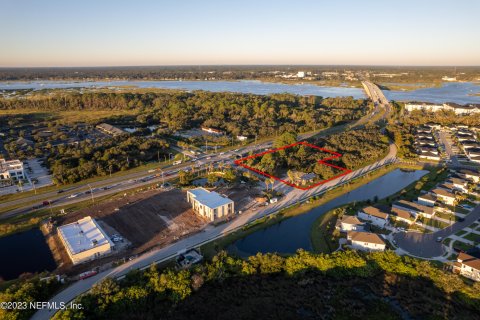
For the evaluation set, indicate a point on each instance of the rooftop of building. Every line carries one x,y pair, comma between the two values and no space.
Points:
83,235
351,220
376,212
365,237
469,260
210,199
414,206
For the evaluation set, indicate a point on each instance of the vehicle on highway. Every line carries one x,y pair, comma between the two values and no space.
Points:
47,202
177,162
60,191
439,239
74,195
87,274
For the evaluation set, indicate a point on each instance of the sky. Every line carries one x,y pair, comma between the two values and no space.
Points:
59,33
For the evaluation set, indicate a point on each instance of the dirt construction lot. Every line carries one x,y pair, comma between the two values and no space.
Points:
147,219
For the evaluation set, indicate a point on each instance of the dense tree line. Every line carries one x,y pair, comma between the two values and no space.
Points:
28,291
404,74
358,147
237,114
445,118
72,163
343,283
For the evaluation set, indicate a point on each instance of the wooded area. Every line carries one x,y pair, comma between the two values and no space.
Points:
342,284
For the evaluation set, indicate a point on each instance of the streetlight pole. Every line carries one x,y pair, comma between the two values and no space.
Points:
91,193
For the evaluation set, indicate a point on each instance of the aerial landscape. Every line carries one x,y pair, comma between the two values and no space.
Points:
239,160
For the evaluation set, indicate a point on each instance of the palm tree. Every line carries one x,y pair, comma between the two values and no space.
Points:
272,182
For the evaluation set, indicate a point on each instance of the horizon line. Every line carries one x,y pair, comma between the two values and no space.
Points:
239,65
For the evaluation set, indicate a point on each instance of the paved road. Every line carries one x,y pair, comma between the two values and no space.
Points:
377,96
292,196
426,245
448,147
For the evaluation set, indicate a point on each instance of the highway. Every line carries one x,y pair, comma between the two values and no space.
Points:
210,233
291,197
378,98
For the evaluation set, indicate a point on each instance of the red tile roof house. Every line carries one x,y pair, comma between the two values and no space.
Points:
365,241
376,216
468,266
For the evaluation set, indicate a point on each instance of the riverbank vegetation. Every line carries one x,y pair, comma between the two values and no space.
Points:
339,285
23,292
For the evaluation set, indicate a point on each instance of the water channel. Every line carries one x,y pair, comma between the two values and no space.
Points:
292,234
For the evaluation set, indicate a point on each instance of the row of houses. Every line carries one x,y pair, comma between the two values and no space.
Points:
426,205
449,106
468,141
426,144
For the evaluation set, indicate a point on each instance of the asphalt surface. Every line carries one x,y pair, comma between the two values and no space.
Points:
426,245
292,196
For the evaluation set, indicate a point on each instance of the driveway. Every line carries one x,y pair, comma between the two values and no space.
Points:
426,245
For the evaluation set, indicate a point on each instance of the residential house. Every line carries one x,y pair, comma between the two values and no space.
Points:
429,156
210,204
304,178
402,215
445,196
471,175
459,184
110,130
376,216
365,241
468,266
213,131
427,200
350,223
415,209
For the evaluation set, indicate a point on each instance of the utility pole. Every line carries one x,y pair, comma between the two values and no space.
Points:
91,193
33,185
158,156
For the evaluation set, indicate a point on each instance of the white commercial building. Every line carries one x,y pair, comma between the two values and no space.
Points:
84,240
11,170
468,109
365,241
210,204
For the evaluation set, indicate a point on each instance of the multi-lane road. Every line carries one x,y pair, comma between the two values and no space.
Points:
291,196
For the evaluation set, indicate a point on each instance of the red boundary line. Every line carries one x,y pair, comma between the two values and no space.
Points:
335,155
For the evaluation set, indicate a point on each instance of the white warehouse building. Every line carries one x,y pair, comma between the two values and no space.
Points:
210,204
84,240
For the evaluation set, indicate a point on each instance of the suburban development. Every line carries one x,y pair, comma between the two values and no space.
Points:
282,189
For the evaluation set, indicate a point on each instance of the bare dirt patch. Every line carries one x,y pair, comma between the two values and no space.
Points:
149,219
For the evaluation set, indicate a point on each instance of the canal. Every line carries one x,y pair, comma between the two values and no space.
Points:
292,234
25,252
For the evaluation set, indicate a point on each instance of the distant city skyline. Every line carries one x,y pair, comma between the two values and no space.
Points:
54,33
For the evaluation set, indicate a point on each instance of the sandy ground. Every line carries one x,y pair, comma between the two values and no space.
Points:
145,220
